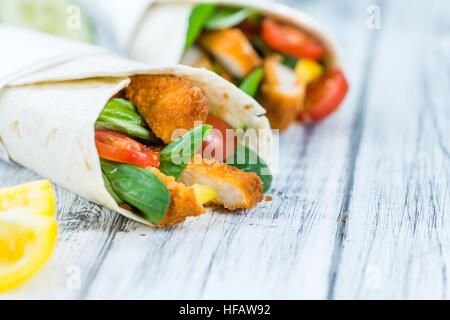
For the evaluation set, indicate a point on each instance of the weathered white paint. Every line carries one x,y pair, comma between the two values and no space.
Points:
398,225
382,163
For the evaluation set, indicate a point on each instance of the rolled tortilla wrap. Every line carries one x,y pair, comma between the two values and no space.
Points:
48,108
155,31
159,36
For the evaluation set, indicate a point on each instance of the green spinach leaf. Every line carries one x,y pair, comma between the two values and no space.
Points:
109,188
119,102
251,84
122,112
227,18
105,122
247,160
289,61
176,156
199,17
139,188
260,46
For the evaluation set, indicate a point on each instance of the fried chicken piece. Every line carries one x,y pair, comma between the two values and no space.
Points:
183,201
235,188
232,49
197,58
282,94
167,103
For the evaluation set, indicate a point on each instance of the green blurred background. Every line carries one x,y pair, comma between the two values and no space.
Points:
65,18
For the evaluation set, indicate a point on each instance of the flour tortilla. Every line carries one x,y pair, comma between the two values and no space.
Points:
154,31
53,90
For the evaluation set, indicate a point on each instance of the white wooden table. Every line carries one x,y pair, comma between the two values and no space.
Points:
361,207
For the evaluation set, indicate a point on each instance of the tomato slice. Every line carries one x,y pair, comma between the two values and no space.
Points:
324,96
290,40
118,147
221,141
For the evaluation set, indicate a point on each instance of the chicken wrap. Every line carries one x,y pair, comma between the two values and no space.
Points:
276,54
158,145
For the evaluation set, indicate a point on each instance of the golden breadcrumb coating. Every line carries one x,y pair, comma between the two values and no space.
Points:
183,201
282,94
167,103
232,48
236,189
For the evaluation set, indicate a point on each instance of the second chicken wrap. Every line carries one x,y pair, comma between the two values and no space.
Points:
276,54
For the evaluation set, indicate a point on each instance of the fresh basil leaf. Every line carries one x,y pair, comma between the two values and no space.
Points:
227,18
111,123
247,160
199,17
251,84
138,187
176,156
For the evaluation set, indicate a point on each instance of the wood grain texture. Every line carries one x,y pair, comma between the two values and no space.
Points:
398,222
360,204
280,249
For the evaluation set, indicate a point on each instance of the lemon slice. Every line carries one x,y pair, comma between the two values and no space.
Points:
35,196
27,231
59,17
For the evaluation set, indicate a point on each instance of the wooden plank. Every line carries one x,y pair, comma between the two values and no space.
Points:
280,249
397,237
85,230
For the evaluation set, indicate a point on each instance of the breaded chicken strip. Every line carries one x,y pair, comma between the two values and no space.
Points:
197,58
235,188
183,201
167,103
282,94
232,49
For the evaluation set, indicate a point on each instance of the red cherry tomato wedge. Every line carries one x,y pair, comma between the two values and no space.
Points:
220,143
290,40
324,96
118,147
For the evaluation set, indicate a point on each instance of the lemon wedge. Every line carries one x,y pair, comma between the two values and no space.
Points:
35,196
27,231
204,193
